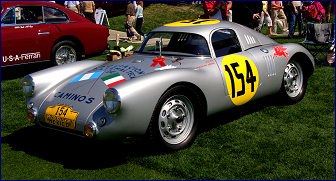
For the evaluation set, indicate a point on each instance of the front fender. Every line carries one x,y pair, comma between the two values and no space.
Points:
139,97
48,79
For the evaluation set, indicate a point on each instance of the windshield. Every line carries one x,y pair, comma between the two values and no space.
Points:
175,43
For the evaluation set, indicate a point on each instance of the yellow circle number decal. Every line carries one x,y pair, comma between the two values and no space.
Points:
194,22
242,78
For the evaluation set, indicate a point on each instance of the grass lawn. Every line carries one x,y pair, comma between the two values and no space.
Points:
261,140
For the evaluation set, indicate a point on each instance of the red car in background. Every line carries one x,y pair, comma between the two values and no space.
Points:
43,31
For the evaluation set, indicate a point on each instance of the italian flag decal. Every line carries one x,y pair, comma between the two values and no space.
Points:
113,80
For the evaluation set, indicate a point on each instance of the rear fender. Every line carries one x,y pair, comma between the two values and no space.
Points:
303,56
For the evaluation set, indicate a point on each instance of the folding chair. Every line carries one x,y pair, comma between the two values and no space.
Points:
319,38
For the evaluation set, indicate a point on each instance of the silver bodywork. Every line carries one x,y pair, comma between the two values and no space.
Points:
145,84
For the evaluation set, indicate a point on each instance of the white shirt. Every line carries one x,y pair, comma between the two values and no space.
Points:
70,4
139,12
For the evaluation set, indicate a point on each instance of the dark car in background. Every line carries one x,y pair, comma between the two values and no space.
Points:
112,8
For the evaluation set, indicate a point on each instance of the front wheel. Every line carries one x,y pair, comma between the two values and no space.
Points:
294,82
65,52
175,119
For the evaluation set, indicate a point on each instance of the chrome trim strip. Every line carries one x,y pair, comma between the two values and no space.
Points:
45,33
24,63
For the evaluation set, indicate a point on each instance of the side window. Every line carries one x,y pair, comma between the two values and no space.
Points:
28,14
225,42
189,43
54,15
9,18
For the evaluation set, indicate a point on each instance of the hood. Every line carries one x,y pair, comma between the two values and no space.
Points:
84,92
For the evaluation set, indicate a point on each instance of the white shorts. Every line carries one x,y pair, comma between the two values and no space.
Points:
267,20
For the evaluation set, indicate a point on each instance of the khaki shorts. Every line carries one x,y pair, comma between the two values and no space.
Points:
74,9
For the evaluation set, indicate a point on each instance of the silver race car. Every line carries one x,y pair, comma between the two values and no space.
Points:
182,72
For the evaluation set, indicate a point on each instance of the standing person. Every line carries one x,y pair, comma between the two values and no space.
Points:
224,8
278,17
330,10
212,9
72,5
293,8
130,15
266,18
139,18
89,9
298,5
246,13
229,11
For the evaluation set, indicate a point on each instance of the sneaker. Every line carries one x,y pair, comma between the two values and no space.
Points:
285,32
332,47
331,57
140,38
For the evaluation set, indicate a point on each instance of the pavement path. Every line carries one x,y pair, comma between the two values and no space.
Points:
122,36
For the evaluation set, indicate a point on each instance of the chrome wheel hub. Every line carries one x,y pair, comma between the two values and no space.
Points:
293,80
176,119
65,54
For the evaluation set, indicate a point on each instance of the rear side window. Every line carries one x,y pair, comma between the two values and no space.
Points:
53,15
225,42
9,18
28,14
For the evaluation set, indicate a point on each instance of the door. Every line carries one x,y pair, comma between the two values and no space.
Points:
24,36
239,72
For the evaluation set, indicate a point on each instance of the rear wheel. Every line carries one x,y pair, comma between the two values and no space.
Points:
65,52
294,82
175,119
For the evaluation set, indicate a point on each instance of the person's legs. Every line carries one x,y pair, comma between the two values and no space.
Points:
268,22
90,16
274,16
139,25
132,19
298,21
283,18
229,17
291,20
261,22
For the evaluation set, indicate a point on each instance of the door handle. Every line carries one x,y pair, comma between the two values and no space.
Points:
44,33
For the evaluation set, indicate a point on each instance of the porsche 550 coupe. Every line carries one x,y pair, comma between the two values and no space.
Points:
182,72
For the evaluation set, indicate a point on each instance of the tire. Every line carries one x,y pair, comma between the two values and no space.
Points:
175,119
294,83
65,52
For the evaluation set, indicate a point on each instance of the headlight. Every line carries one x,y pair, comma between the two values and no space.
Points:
111,100
28,86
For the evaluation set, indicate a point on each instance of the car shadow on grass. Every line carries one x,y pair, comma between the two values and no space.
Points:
17,71
71,151
238,112
78,153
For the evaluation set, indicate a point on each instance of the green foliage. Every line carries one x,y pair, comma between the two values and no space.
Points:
259,141
157,14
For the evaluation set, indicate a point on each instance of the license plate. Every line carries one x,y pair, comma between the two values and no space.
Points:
61,116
